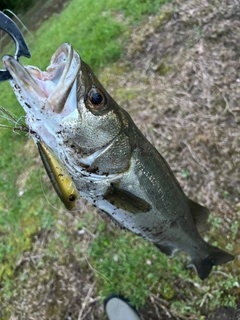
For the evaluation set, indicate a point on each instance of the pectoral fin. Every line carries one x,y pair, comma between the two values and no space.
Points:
200,215
126,200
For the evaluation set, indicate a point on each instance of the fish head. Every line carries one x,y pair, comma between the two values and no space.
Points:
98,119
66,106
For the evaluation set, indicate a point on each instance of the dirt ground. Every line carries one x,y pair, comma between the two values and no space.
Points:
186,75
182,88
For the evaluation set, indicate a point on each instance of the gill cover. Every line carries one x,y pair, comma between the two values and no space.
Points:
60,178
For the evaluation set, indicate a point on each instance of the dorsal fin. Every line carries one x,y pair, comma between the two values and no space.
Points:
200,215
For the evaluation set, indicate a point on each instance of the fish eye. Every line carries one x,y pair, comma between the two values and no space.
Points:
96,100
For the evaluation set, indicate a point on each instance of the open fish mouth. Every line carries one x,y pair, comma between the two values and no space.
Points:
56,114
63,105
46,94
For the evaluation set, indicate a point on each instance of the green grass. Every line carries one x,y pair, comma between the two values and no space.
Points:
131,266
94,30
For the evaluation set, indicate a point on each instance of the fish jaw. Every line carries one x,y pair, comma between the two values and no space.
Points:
55,102
58,113
48,97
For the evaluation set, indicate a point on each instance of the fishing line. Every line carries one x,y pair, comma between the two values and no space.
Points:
95,270
85,257
19,124
20,21
13,119
31,34
45,194
1,37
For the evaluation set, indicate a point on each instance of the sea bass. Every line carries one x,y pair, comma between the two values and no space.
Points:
86,139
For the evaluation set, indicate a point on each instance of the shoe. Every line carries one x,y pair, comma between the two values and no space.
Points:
117,308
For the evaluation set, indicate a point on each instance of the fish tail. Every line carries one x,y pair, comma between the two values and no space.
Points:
215,258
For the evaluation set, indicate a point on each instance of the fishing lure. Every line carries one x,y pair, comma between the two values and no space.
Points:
60,178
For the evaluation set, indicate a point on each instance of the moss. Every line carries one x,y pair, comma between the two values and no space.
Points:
164,68
167,290
151,27
163,17
118,69
7,270
219,104
123,94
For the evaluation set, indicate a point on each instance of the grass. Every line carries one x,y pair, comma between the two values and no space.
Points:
98,33
132,267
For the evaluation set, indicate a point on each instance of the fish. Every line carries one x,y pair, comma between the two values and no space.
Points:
81,132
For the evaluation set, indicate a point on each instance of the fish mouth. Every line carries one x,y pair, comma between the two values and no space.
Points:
51,88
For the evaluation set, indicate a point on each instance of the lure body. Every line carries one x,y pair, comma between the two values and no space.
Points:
60,178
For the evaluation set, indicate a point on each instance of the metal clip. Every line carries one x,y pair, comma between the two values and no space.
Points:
9,26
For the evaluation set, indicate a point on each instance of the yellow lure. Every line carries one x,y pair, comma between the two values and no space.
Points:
60,178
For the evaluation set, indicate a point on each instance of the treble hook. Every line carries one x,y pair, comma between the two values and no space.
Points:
9,26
